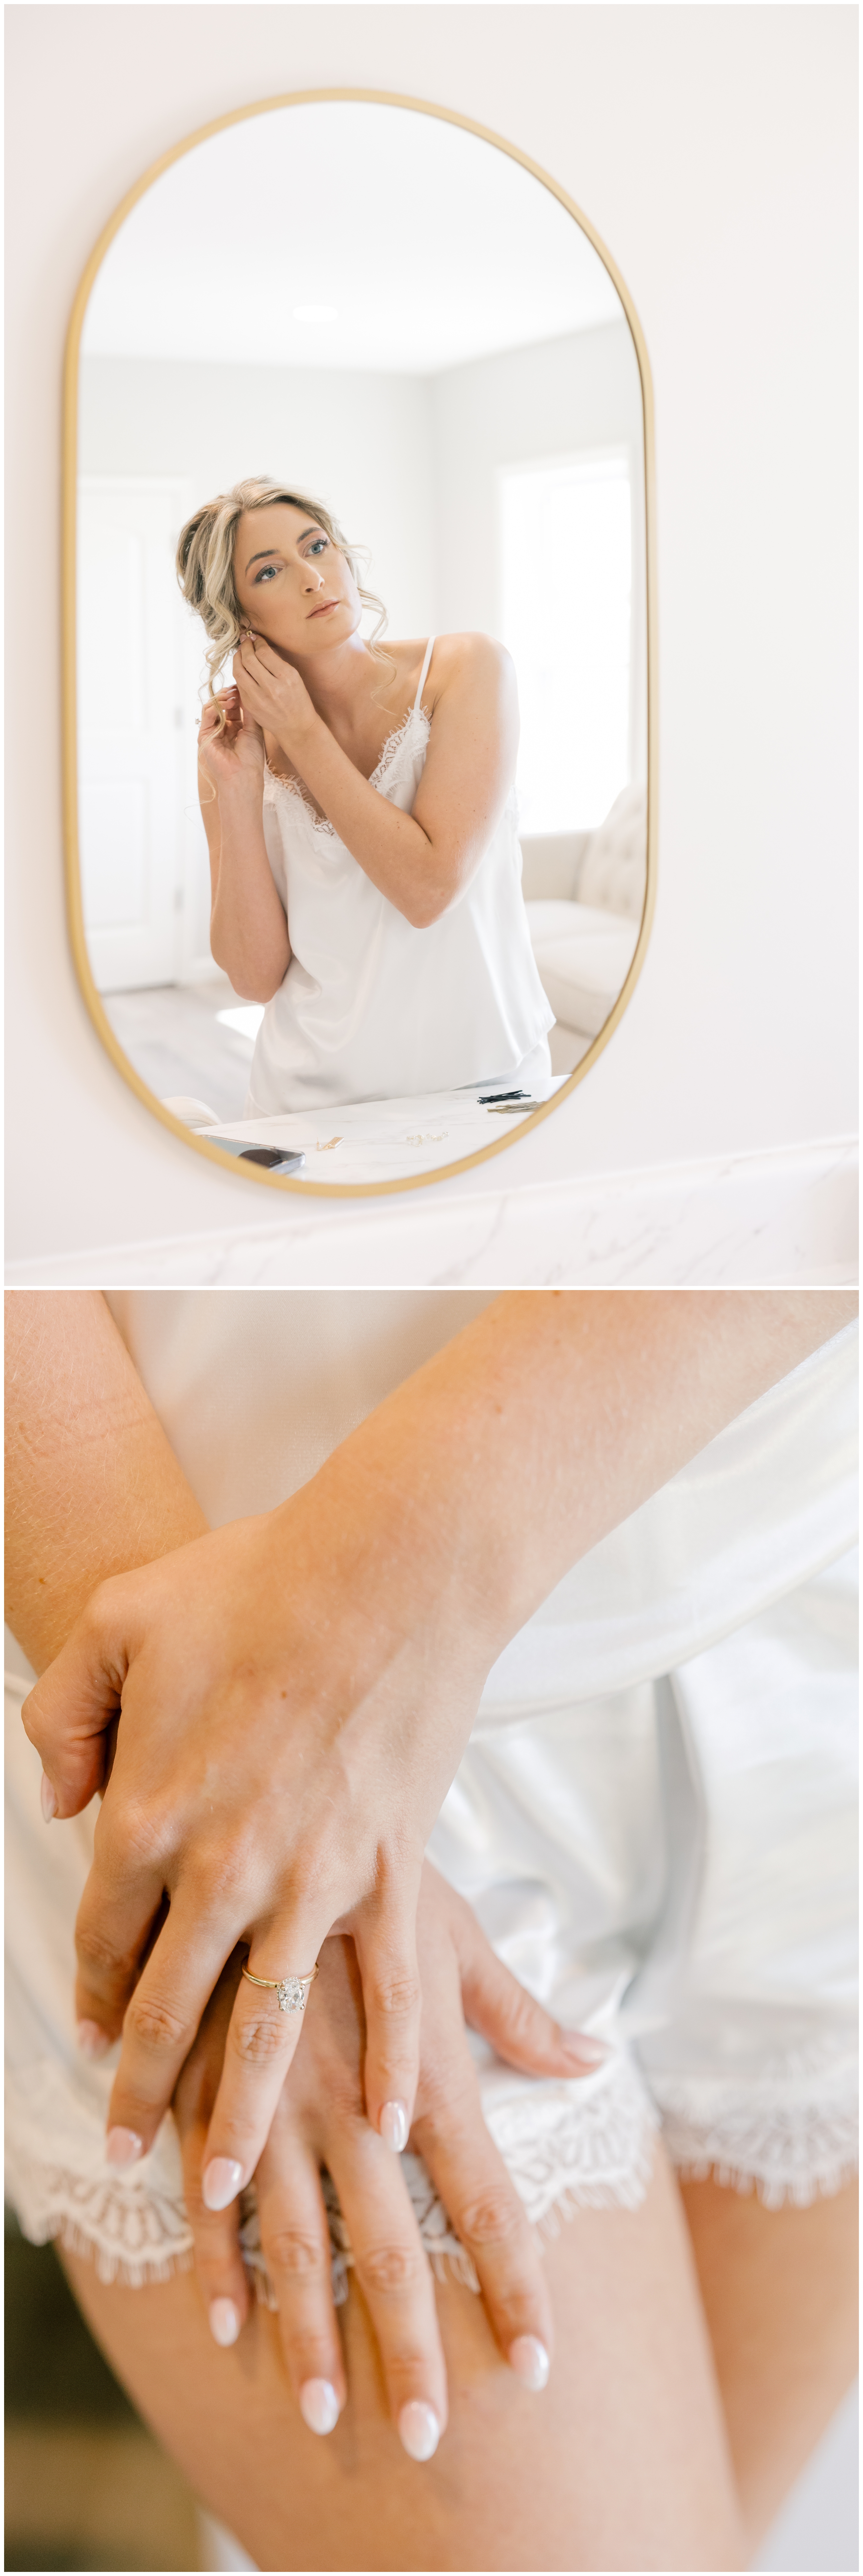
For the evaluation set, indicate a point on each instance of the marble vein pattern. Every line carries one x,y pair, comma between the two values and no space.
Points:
778,1219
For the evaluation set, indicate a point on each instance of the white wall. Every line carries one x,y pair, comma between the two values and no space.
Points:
357,441
713,148
562,396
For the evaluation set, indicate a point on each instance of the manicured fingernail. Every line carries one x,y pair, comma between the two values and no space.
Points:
393,2126
49,1802
589,2052
123,2146
529,2359
319,2405
224,2321
419,2430
221,2183
93,2042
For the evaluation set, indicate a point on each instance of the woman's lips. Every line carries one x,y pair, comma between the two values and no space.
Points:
325,606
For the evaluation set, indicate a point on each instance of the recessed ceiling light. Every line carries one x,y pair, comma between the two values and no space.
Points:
315,313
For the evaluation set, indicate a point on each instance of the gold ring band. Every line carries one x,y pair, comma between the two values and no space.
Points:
292,1991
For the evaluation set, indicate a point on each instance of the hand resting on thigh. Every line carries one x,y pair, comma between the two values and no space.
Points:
296,1691
320,2121
293,1710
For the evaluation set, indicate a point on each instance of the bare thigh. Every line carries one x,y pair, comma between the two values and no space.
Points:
780,2293
621,2463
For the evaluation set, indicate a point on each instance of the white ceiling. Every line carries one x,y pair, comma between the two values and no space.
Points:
432,247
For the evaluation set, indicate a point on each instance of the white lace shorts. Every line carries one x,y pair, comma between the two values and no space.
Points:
671,1866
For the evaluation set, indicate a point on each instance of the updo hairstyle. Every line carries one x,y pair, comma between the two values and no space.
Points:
205,564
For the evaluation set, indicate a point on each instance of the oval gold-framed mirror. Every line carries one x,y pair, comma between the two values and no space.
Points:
520,304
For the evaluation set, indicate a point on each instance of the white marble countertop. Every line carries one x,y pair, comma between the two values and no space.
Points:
775,1219
383,1140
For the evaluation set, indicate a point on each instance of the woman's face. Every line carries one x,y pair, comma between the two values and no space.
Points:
293,585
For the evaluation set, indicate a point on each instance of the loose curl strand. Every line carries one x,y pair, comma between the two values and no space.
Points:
205,567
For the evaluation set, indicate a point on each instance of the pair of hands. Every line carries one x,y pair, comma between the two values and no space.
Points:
296,1691
268,696
293,1711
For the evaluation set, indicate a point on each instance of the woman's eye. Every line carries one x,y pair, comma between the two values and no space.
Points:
264,575
319,546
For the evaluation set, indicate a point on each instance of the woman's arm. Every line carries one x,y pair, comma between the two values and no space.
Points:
92,1483
297,1691
248,929
422,861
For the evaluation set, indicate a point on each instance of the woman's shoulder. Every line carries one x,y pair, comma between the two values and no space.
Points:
471,652
465,662
466,650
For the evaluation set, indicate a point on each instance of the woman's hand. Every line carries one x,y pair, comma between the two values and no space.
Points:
294,1703
320,2120
230,752
273,697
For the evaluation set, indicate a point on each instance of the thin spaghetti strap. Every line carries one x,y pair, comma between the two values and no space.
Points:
424,674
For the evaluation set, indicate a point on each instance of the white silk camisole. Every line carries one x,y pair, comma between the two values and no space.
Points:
372,1008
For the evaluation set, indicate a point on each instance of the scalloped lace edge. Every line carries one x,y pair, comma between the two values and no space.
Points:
594,2154
795,2194
781,2138
59,2228
392,746
563,2154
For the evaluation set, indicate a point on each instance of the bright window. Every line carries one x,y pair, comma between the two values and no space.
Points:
567,594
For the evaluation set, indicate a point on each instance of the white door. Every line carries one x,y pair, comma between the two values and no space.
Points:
132,711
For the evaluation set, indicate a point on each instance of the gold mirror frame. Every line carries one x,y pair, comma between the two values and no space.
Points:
101,1023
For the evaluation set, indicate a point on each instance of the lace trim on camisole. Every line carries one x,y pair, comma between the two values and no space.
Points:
395,743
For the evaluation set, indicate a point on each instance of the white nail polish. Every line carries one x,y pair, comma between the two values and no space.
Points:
393,2126
123,2146
224,2321
529,2359
221,2182
591,2052
319,2405
48,1799
419,2430
92,2041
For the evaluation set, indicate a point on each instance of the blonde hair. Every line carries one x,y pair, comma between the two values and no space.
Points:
205,564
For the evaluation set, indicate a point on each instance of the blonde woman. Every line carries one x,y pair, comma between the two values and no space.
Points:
360,819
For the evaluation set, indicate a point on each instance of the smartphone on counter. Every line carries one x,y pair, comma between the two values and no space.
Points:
272,1158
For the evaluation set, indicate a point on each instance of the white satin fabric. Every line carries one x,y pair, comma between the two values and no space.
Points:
654,1818
372,1008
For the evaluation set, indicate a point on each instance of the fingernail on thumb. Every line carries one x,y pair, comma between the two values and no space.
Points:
49,1802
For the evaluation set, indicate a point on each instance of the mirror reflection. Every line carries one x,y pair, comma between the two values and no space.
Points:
362,692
